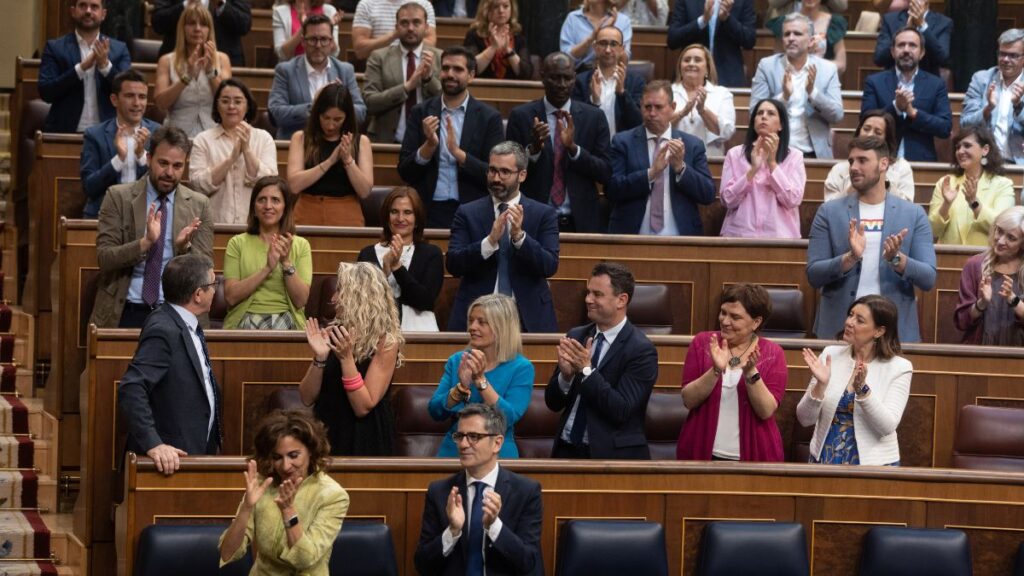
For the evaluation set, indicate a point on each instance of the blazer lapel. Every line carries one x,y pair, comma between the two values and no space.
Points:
182,213
139,207
186,341
460,481
302,80
640,146
620,341
109,134
468,125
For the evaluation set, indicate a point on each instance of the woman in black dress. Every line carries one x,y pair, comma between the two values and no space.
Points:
498,39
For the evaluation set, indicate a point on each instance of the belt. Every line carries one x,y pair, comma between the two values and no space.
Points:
140,306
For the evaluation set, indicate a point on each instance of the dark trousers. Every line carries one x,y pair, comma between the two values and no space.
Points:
134,315
441,214
563,449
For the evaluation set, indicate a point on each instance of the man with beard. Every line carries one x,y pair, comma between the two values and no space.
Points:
917,99
400,76
76,71
505,243
935,28
114,152
447,141
142,226
994,97
299,80
869,243
567,143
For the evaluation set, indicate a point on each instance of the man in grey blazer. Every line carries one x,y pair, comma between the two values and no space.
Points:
401,76
869,243
807,84
994,98
298,80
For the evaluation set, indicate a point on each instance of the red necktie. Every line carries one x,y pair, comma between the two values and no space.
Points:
410,69
558,181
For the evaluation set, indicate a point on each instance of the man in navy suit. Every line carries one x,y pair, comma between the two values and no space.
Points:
567,143
452,9
447,141
936,28
76,70
659,175
232,19
917,99
726,27
606,372
114,152
483,517
505,243
610,85
168,397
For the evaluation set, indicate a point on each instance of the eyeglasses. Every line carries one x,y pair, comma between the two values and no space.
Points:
210,285
503,172
471,437
225,102
606,44
1010,55
318,40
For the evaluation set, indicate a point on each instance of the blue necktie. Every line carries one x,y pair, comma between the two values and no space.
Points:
579,424
504,257
712,26
216,432
475,557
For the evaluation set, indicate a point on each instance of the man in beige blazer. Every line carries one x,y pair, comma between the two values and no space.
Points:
142,225
390,89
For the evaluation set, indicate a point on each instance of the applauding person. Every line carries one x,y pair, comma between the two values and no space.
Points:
498,39
287,19
899,176
989,310
703,108
581,27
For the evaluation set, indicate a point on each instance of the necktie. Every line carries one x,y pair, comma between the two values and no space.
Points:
151,276
410,69
216,432
558,181
504,257
657,193
475,556
579,424
712,26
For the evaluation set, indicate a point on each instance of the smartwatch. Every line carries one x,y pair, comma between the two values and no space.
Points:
292,522
1014,301
974,205
751,380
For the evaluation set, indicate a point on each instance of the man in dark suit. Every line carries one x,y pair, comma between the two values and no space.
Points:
232,19
606,372
610,85
505,243
726,27
451,9
76,71
567,143
114,152
659,174
463,533
447,141
917,99
936,28
168,397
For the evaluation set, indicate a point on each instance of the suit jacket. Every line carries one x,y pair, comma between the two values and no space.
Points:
822,112
446,8
60,86
532,263
627,104
629,189
934,117
162,396
580,175
936,40
830,239
121,226
732,37
517,549
289,100
481,130
615,395
96,171
384,89
973,113
421,282
229,25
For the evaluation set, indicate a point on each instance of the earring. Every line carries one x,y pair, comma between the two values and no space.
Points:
984,160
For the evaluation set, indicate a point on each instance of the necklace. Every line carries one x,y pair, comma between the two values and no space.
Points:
734,360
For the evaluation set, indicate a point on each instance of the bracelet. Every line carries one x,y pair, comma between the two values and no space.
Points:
352,384
319,363
716,371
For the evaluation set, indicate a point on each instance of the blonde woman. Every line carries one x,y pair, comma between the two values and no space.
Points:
989,310
187,78
497,37
703,108
491,370
354,360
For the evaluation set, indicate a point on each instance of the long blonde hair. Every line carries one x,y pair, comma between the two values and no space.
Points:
1010,219
483,18
366,307
192,13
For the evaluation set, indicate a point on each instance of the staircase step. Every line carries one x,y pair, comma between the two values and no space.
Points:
65,546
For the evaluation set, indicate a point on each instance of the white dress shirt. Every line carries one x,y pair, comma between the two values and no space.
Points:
448,540
90,106
317,80
669,227
129,166
609,337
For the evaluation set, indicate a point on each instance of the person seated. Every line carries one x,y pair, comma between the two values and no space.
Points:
330,164
830,29
413,266
373,25
230,157
646,12
726,27
763,179
114,151
76,71
610,85
936,30
268,268
733,382
580,28
292,509
994,97
497,37
187,78
491,370
360,349
703,108
963,205
858,390
899,176
286,21
989,310
232,20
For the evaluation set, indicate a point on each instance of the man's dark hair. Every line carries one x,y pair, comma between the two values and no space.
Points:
414,6
171,136
466,53
621,277
316,20
870,143
494,419
920,36
129,75
659,86
183,276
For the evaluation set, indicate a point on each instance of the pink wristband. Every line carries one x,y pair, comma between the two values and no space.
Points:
353,383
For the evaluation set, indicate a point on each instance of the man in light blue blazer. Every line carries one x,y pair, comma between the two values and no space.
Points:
297,80
869,243
995,97
807,84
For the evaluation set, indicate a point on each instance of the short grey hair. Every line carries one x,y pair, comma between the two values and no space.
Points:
1011,36
494,418
797,16
510,147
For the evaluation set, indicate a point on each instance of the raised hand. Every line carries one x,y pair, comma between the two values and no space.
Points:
141,136
970,189
757,155
812,74
985,290
577,355
153,217
515,221
724,9
317,339
456,512
595,87
676,154
499,37
393,257
750,358
821,371
1016,91
620,77
451,140
254,489
273,253
709,5
892,244
492,507
991,97
209,55
699,97
345,149
719,353
498,228
426,67
121,141
284,246
185,236
1006,289
341,341
948,191
904,99
568,131
467,369
337,18
430,133
660,161
541,134
787,84
858,241
286,494
101,51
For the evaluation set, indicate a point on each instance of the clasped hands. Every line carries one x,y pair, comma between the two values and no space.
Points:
512,220
457,512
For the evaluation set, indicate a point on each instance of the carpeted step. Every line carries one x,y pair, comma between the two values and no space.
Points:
16,452
23,534
19,489
28,568
13,415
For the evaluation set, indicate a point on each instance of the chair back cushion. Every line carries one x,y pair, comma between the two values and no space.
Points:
175,549
899,551
665,416
612,548
787,318
650,309
363,548
762,548
989,438
535,431
416,433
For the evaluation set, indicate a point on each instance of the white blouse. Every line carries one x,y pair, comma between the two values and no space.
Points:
900,177
719,101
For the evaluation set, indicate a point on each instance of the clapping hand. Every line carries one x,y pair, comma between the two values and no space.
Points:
892,244
185,236
567,131
985,291
341,341
858,241
515,221
120,141
286,495
821,371
492,507
620,77
676,154
430,132
345,149
456,512
750,358
452,142
471,366
719,351
787,84
392,259
141,136
254,489
724,9
904,100
573,356
273,253
948,191
812,75
1006,289
541,133
860,374
317,339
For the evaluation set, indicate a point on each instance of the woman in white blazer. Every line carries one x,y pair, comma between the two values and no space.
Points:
858,390
286,22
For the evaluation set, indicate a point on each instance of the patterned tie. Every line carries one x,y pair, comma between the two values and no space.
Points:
504,257
558,181
410,69
154,261
579,424
216,432
712,26
475,556
657,193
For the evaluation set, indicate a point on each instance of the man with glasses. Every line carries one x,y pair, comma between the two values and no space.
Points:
935,28
505,243
610,85
168,396
484,517
299,80
994,97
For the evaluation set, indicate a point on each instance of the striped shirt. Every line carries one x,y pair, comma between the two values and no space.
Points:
379,15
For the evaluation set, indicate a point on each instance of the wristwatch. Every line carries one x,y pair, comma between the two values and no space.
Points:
587,371
1014,301
974,205
288,270
292,522
896,259
863,390
483,384
751,380
185,79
